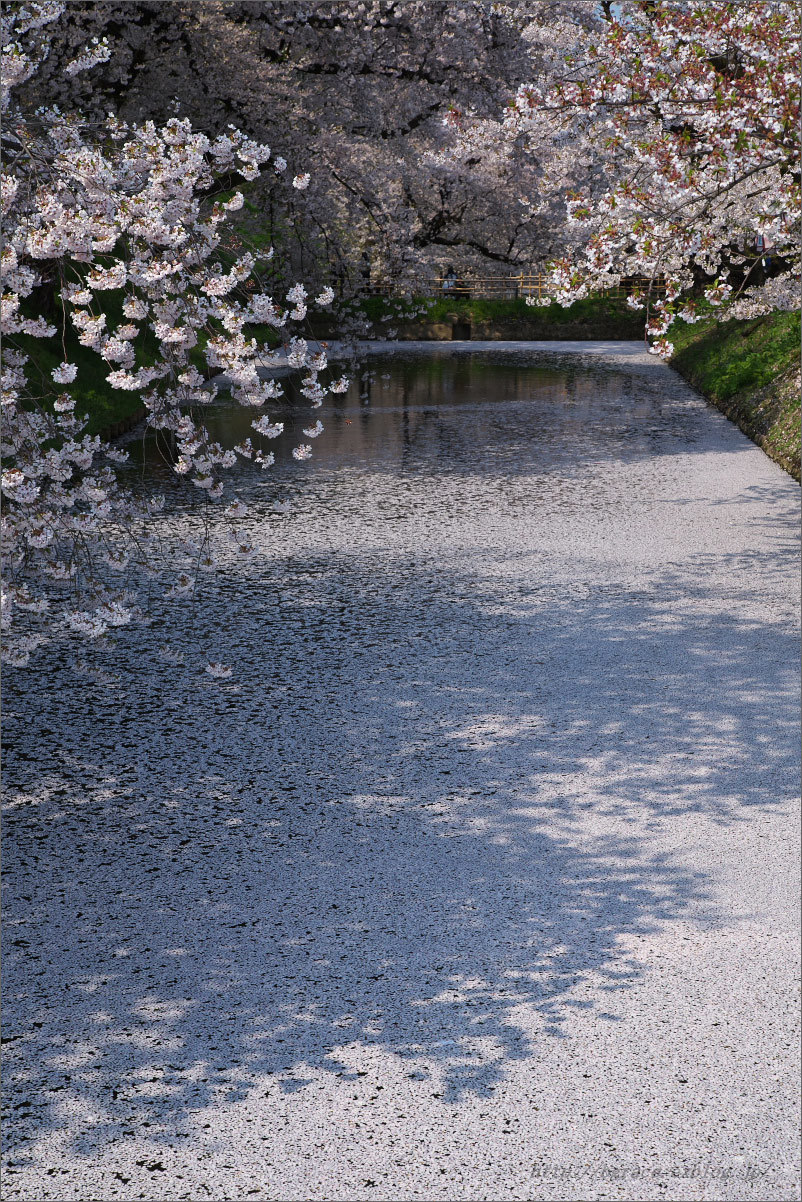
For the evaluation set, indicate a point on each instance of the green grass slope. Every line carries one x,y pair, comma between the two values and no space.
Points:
512,312
750,370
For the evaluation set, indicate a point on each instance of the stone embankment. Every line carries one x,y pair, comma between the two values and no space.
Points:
518,330
124,426
536,327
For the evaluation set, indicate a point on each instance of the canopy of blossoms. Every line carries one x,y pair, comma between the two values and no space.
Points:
360,89
696,106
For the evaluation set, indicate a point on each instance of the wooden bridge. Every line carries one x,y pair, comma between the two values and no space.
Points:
511,287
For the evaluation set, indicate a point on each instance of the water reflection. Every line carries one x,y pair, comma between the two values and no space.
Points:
451,413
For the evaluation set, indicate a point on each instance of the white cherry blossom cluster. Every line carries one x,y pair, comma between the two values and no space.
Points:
90,218
697,107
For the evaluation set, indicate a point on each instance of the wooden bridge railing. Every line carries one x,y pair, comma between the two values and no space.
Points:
511,287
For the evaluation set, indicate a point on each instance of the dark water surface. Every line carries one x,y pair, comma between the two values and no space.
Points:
454,413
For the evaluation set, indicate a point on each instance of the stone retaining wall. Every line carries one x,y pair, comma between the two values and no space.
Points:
520,331
124,425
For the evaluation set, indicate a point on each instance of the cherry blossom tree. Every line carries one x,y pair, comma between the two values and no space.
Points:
359,91
695,107
119,218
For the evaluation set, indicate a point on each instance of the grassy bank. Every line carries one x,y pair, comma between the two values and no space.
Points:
593,309
601,317
750,371
105,407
